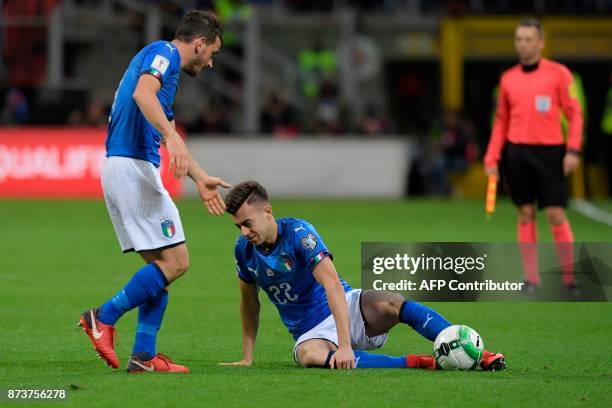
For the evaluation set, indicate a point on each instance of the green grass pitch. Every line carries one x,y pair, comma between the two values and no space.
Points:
61,257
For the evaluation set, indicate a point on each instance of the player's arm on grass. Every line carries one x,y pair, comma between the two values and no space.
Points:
325,273
249,317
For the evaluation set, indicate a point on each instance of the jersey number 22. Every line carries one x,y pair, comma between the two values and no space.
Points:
284,288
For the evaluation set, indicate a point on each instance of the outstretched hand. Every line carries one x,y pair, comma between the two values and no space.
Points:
241,363
210,195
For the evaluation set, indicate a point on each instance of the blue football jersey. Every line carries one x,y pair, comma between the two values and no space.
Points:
285,273
129,132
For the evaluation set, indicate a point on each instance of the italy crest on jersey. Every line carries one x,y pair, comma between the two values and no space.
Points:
168,228
286,262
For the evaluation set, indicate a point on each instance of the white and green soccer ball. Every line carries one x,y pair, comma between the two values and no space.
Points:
458,347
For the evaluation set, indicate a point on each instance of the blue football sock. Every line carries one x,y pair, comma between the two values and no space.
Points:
423,319
150,315
146,284
369,360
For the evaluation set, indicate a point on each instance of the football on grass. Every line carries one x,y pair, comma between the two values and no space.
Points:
458,347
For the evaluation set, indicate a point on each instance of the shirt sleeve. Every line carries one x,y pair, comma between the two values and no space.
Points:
241,269
309,247
159,61
500,127
568,99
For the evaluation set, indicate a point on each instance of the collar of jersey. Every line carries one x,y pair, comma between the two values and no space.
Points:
530,68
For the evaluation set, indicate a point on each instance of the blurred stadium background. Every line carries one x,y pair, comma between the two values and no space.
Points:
400,91
377,99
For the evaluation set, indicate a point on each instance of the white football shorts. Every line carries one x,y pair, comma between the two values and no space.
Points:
140,208
326,330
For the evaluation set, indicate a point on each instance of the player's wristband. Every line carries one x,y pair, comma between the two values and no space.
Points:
574,152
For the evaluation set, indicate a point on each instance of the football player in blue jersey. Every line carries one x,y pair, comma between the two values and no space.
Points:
332,324
141,210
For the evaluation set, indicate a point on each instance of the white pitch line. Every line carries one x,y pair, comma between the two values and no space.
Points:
590,211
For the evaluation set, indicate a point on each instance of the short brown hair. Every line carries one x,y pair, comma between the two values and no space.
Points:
197,24
247,191
532,22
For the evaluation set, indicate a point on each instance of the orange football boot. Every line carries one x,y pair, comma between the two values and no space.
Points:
102,336
159,363
492,361
426,361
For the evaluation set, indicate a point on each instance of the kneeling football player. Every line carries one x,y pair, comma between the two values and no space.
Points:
332,324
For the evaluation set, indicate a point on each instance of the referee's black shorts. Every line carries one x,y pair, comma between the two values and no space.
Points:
535,175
